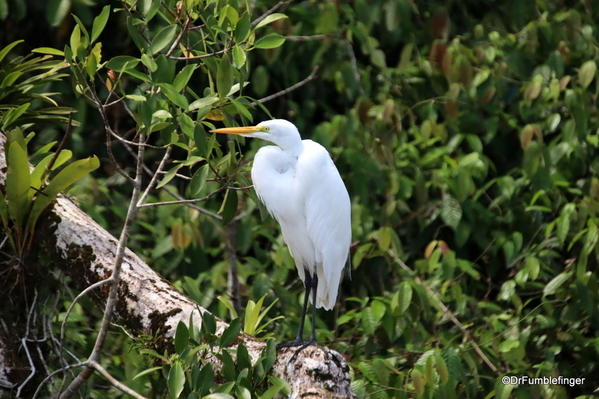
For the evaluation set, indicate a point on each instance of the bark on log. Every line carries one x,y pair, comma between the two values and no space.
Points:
148,304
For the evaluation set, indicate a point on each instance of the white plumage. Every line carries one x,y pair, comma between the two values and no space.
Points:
302,189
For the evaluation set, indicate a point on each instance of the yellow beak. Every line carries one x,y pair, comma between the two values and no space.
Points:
239,130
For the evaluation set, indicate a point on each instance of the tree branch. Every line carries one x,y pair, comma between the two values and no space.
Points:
115,279
310,78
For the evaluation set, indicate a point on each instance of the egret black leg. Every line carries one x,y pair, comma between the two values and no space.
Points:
314,284
299,341
300,332
311,284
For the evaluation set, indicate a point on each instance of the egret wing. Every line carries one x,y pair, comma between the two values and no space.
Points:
328,218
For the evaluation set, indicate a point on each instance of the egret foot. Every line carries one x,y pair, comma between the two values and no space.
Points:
302,345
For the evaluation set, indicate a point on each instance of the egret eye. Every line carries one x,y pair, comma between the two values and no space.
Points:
265,128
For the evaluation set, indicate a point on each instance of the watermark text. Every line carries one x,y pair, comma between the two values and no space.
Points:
526,380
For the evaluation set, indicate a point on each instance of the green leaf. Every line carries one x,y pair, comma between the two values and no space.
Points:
278,385
202,102
7,49
384,238
228,208
270,18
402,298
231,333
208,323
48,50
135,34
183,77
11,116
218,396
63,157
587,72
149,62
441,368
378,310
162,39
271,355
176,380
273,40
227,302
57,10
135,97
198,180
380,368
100,23
368,372
169,176
147,371
242,29
242,392
368,322
3,211
224,77
136,74
187,125
241,109
10,79
239,56
94,58
38,173
60,182
552,286
451,211
585,298
199,137
228,366
204,379
84,32
232,15
243,357
122,63
181,337
75,39
18,182
178,99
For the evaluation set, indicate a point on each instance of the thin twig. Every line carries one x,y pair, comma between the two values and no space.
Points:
115,278
192,205
272,10
109,132
310,77
446,311
149,172
117,384
230,235
60,370
199,57
305,38
24,345
70,309
150,186
179,36
31,364
184,201
62,143
354,65
133,143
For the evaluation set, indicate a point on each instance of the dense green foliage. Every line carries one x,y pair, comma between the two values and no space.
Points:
467,135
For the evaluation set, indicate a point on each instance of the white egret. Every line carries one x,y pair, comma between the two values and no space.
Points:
300,186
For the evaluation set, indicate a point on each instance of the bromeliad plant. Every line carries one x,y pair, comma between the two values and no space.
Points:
28,191
205,365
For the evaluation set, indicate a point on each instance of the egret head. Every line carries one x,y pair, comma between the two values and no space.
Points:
278,131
